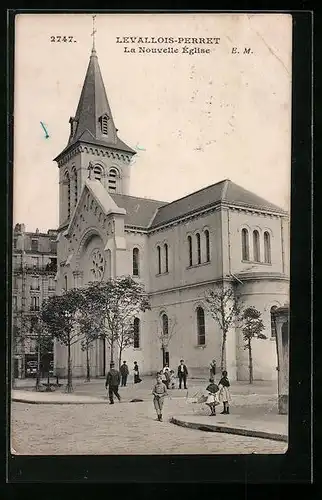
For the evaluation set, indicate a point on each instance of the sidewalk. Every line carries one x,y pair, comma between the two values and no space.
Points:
273,427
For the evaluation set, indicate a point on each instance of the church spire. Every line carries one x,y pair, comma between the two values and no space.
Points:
93,35
93,121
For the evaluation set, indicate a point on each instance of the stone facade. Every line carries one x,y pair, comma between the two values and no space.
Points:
34,279
182,249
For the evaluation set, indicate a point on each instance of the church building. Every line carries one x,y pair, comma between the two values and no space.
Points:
179,250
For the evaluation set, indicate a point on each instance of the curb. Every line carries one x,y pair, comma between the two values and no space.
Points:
230,430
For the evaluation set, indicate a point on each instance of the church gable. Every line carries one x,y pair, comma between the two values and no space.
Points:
92,210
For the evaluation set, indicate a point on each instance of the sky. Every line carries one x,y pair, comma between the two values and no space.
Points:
194,119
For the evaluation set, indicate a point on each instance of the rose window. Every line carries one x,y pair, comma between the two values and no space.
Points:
97,265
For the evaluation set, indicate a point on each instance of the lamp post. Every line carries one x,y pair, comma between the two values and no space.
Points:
282,344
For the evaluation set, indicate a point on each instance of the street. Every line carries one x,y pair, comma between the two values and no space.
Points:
123,428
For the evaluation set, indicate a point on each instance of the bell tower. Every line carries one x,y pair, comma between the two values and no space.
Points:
93,144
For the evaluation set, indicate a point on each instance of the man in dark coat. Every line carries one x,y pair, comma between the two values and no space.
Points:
182,374
124,370
113,382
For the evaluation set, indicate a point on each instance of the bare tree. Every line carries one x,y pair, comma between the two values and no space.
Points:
166,332
224,306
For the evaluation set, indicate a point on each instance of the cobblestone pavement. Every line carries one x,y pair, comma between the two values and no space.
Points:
124,428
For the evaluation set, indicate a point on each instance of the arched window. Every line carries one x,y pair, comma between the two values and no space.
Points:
136,255
165,324
67,183
97,172
159,259
198,248
75,186
273,322
166,258
136,333
256,248
112,176
201,333
267,247
190,250
104,127
207,245
245,245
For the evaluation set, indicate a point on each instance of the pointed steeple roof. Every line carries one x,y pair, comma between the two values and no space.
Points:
93,122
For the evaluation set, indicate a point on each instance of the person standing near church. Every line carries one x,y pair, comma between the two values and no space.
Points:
113,382
213,369
136,373
124,370
182,374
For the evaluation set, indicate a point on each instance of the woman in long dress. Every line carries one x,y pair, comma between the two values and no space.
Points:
136,373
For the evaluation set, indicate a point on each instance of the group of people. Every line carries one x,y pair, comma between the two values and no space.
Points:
115,377
168,376
216,393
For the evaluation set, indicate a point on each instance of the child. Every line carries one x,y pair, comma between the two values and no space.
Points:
172,379
224,392
159,392
166,379
212,400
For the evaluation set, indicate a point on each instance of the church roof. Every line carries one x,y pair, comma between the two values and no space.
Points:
147,213
224,191
92,106
139,211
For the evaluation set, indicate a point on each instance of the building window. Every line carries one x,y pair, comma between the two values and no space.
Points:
51,284
14,303
15,243
159,259
97,171
190,250
35,284
256,247
165,325
35,262
201,326
136,255
53,246
104,128
166,258
65,283
245,245
136,336
35,303
207,245
112,176
75,186
14,282
67,183
198,248
267,247
34,245
273,322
